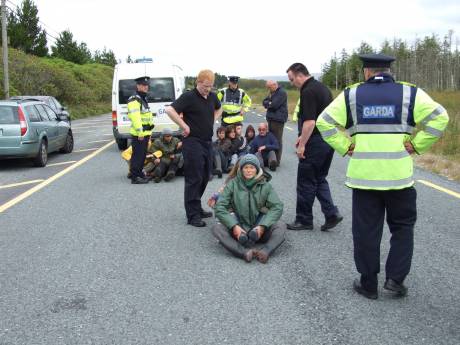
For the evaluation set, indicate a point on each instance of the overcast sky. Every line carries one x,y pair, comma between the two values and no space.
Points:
244,37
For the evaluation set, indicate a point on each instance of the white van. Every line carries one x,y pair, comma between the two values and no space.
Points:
167,83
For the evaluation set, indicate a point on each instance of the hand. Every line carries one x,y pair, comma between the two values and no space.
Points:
157,161
297,142
179,144
261,148
186,130
140,138
211,202
351,149
301,151
237,230
409,147
171,157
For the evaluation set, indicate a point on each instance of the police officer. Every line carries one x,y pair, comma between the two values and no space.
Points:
141,128
235,102
380,115
200,108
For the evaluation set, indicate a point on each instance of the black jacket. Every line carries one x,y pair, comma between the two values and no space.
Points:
276,105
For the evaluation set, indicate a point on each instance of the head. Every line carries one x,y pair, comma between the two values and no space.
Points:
371,72
298,74
263,129
142,84
230,132
238,129
271,85
205,82
220,132
374,64
250,132
249,166
166,134
233,82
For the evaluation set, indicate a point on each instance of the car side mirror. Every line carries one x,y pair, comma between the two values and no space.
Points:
63,108
63,117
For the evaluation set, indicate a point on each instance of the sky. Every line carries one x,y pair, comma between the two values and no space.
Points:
243,37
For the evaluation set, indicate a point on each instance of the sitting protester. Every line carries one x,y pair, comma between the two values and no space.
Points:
171,158
249,211
230,146
242,145
219,159
264,146
249,135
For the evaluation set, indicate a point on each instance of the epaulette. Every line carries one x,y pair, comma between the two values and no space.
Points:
352,86
406,83
135,97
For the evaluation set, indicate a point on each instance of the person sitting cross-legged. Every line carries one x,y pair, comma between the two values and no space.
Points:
249,212
167,165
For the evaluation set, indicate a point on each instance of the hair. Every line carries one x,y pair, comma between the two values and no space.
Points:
205,74
297,68
220,129
376,70
233,172
248,129
229,129
238,124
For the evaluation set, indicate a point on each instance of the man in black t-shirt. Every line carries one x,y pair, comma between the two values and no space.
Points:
315,155
200,108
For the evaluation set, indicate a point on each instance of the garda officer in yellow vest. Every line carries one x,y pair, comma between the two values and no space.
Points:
380,115
235,102
141,128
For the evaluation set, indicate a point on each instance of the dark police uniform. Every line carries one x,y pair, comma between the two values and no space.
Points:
196,148
313,169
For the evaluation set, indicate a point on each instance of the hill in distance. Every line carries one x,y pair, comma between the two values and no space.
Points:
280,77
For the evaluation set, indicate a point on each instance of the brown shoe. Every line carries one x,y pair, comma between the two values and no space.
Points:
261,256
249,255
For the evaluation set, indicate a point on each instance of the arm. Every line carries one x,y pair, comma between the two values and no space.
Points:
272,143
134,114
223,206
246,102
174,115
275,209
217,114
280,97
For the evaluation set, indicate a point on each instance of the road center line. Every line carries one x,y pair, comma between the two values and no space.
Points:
99,141
442,189
21,184
289,128
53,178
85,150
60,163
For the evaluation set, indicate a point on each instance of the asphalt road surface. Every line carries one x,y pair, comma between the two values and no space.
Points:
88,258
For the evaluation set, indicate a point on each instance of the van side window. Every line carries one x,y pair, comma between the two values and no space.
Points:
33,113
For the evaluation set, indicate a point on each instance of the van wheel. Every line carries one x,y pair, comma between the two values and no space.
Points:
68,146
41,158
122,144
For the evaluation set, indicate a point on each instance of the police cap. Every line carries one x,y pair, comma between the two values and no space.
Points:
376,60
142,80
233,79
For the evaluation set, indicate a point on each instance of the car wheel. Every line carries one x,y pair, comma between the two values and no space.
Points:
41,158
68,146
122,144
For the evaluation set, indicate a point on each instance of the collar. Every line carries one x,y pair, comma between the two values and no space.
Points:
306,82
198,93
381,78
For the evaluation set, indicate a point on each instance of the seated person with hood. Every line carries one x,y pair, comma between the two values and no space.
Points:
249,211
171,157
264,146
220,162
242,145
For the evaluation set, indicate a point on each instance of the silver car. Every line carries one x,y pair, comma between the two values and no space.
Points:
31,129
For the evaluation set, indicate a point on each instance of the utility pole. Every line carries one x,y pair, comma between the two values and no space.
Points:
6,81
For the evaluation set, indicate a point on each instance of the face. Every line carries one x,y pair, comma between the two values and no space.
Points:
167,138
271,87
251,134
221,135
296,79
249,171
232,135
239,129
142,88
262,130
204,87
232,85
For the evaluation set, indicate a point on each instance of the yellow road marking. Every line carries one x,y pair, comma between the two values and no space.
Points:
60,163
85,150
289,128
20,183
51,179
442,189
99,141
76,131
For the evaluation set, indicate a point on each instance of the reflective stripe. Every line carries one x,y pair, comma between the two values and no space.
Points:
380,183
380,129
352,100
433,131
380,155
405,104
328,118
438,111
130,111
329,132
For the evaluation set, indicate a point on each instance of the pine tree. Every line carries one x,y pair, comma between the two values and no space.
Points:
68,49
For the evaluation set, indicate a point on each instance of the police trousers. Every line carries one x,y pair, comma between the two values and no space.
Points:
311,180
369,208
197,170
138,156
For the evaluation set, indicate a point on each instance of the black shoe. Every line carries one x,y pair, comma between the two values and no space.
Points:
299,226
205,214
331,222
362,291
272,165
219,173
139,180
197,222
157,179
243,238
169,176
396,287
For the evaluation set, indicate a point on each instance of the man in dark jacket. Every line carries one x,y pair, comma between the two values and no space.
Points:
264,146
277,113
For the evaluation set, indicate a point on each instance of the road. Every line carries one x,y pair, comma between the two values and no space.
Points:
89,258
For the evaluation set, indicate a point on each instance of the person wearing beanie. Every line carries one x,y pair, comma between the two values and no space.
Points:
248,212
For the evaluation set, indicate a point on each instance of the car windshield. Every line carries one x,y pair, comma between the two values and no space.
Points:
160,90
8,115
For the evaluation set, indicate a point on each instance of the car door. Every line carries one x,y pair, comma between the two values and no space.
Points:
51,128
62,126
37,127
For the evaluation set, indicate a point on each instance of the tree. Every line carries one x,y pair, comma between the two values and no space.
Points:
24,30
106,57
68,49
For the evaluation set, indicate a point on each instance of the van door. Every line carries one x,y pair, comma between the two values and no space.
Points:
10,130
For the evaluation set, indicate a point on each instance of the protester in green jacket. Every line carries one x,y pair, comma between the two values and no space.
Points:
249,211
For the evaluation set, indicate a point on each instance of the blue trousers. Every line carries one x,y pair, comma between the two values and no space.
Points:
311,181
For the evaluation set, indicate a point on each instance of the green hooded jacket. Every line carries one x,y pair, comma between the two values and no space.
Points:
249,203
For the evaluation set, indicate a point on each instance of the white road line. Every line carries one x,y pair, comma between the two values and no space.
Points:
60,163
85,150
99,141
20,184
259,115
84,131
289,128
106,134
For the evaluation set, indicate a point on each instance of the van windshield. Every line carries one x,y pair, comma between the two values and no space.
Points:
8,115
160,90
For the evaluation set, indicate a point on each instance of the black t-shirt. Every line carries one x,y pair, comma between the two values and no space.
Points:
314,98
198,112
